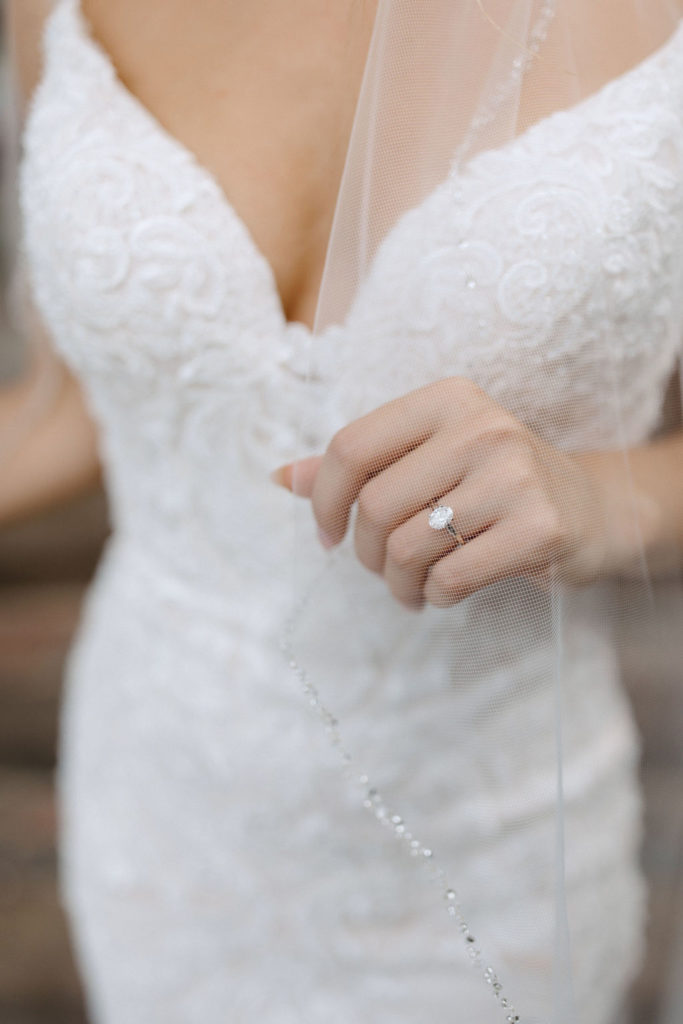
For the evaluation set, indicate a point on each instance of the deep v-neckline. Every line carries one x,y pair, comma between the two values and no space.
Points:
87,39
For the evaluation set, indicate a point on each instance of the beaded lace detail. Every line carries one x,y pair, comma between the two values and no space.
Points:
212,865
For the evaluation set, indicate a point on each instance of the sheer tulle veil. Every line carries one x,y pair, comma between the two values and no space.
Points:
450,90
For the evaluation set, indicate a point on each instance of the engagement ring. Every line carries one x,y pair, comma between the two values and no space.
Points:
441,518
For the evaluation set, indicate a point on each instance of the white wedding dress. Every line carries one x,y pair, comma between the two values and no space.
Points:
213,866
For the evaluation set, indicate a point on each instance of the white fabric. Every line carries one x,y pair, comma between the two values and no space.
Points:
213,864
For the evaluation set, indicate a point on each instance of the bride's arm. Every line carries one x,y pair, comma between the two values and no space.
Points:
656,474
23,25
47,456
52,461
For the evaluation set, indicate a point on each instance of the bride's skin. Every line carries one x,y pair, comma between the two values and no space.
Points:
263,92
281,79
529,509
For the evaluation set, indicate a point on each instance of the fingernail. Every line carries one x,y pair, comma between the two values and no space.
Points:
282,476
325,540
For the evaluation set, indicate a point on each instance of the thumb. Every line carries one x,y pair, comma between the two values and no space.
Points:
298,477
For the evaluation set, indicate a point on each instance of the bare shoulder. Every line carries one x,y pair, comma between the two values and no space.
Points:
24,22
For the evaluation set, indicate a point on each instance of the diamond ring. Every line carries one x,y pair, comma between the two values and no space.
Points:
441,518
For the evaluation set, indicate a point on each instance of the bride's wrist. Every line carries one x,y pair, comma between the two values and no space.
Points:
631,527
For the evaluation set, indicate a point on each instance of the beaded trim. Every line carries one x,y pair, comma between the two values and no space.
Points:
372,799
520,65
374,802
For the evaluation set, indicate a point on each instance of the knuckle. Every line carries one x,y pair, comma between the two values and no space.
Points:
441,584
440,600
449,395
520,472
366,556
464,386
323,509
372,506
549,524
497,438
461,391
345,446
401,551
545,523
502,431
396,592
412,604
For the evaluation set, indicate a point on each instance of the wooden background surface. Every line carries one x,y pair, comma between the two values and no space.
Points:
44,567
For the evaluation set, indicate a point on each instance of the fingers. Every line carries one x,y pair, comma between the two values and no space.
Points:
414,548
501,552
302,475
449,444
368,446
411,552
402,491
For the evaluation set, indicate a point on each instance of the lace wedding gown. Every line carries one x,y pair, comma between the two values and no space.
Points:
211,864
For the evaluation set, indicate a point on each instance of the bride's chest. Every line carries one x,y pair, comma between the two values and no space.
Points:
548,272
263,94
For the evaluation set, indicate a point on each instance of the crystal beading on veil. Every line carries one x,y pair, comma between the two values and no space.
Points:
373,800
482,113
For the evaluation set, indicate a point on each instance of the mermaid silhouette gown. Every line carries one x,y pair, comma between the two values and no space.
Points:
211,865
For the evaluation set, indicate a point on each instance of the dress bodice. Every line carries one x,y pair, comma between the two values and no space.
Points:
545,269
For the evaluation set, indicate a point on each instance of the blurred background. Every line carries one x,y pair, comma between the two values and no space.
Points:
45,566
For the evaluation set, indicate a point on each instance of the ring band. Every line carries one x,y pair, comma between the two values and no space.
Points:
441,518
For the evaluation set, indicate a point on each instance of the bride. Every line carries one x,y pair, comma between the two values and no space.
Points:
481,461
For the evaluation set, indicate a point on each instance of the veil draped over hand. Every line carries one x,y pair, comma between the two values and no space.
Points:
457,97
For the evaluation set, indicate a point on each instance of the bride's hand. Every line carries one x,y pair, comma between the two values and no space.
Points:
523,507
